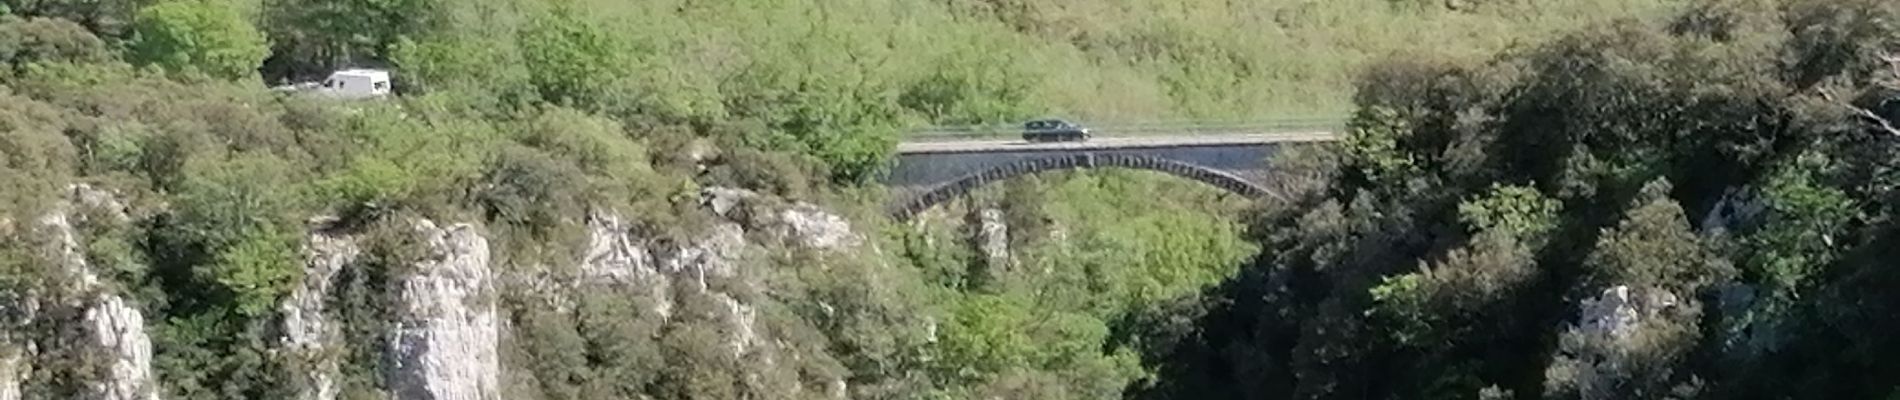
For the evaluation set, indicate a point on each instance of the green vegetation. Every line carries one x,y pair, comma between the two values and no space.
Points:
197,36
562,119
1065,312
1536,155
1721,166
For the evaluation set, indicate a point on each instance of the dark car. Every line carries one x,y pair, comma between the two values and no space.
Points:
1053,130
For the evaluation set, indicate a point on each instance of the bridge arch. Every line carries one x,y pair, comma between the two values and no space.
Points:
962,186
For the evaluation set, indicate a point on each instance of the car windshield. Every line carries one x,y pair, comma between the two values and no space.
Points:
1045,124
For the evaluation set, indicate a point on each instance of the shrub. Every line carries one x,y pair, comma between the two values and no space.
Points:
38,40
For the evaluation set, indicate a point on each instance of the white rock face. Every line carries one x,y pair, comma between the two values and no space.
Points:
115,328
120,330
818,229
10,375
724,200
307,330
711,257
445,341
613,253
15,310
445,345
615,256
742,317
1594,360
83,278
1619,312
89,197
807,224
993,236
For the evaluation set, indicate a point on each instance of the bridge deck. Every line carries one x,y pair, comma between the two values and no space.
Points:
1103,143
929,172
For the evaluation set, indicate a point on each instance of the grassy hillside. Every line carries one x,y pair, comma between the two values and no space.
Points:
954,61
840,79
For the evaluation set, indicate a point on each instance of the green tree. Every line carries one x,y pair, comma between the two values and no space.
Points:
978,83
237,212
1437,305
571,60
207,36
34,161
1653,248
1653,268
315,35
985,337
105,18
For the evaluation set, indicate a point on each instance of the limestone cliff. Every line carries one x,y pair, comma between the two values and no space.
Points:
10,376
108,325
447,332
992,236
119,330
615,256
445,343
714,265
308,331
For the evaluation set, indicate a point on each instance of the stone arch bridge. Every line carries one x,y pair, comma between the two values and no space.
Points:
930,173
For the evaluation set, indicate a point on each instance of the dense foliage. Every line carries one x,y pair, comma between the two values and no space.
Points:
527,124
1062,312
1717,180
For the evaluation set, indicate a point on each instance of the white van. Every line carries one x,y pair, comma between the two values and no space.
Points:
357,84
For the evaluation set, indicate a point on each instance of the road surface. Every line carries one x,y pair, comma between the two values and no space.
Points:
1017,144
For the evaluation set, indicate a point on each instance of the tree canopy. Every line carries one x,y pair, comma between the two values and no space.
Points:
198,36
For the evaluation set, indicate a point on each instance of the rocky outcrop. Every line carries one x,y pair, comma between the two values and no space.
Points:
716,257
15,310
711,266
111,327
616,257
1623,345
804,223
818,229
1621,311
447,335
445,343
308,333
713,257
723,201
742,318
119,329
993,236
10,375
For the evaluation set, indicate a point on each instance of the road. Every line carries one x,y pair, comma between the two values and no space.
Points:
1017,144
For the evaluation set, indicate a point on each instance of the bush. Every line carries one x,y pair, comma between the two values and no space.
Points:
48,40
778,174
238,214
570,59
34,159
526,194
